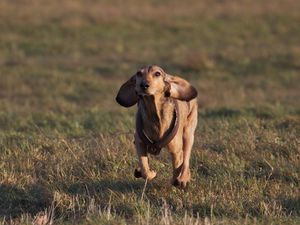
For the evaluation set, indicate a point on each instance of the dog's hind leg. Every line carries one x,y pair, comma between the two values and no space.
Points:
188,141
175,149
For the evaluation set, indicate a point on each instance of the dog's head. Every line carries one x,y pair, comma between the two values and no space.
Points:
152,80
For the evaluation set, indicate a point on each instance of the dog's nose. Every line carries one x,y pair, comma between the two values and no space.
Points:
144,85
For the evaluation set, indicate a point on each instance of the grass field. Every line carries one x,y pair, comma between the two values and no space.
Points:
66,151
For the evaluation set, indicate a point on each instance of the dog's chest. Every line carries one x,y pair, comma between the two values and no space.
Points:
157,122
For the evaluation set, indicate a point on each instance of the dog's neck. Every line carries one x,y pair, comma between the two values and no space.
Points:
157,115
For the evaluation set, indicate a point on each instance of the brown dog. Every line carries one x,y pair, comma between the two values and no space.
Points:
166,117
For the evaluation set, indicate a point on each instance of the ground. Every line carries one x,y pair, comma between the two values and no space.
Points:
66,146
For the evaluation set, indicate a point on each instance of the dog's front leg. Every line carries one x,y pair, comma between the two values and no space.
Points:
143,169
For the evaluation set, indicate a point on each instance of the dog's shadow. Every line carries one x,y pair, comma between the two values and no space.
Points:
105,186
15,201
32,199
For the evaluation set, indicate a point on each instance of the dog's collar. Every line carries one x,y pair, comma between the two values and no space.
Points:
154,147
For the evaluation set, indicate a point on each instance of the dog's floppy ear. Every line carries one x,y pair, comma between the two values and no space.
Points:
180,88
127,96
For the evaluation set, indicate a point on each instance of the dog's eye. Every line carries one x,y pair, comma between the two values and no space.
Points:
157,74
139,74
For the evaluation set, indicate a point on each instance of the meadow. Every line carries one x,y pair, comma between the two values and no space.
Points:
66,146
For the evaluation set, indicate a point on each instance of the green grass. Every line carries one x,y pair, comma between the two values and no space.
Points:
66,145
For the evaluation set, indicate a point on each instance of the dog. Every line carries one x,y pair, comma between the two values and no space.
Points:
166,117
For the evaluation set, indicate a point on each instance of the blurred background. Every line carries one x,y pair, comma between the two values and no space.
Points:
62,62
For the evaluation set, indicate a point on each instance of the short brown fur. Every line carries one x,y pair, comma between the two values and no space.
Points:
154,90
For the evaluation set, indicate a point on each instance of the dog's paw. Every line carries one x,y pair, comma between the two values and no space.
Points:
181,181
137,173
149,175
182,184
